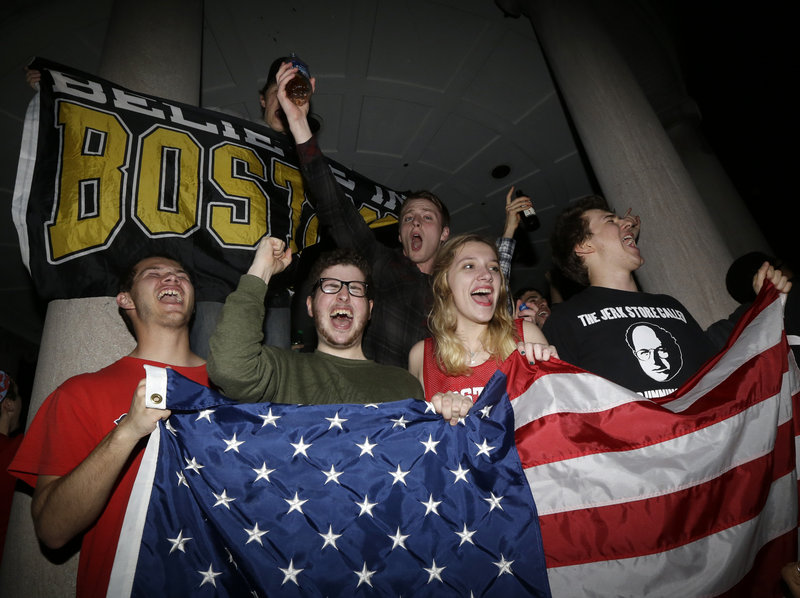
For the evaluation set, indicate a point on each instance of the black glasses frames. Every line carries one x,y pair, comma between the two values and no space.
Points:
329,286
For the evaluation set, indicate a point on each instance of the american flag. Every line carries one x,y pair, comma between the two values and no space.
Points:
691,495
327,500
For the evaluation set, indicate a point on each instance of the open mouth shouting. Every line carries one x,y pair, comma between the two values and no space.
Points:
170,295
541,316
342,318
483,296
629,243
416,242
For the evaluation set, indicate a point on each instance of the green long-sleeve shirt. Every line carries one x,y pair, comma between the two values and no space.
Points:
246,370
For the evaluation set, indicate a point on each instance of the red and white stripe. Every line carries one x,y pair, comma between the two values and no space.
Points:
695,494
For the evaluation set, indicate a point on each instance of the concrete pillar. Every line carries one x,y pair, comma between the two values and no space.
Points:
632,156
79,335
152,47
156,47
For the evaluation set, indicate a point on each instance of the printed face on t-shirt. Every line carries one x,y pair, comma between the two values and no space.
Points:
656,351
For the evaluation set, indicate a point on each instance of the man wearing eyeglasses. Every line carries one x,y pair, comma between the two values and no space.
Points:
340,303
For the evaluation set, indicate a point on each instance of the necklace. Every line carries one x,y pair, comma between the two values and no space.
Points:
473,355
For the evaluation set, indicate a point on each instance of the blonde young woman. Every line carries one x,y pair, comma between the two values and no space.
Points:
472,330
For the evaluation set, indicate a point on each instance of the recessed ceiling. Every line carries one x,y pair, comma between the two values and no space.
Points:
418,94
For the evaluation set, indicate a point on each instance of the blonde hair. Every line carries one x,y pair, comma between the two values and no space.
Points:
500,337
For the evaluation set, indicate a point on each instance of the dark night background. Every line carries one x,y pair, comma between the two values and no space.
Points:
739,65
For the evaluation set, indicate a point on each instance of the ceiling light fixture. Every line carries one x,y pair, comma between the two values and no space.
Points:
501,171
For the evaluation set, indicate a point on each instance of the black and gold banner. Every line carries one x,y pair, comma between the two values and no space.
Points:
107,175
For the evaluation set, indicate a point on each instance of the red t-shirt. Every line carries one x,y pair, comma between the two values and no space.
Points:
68,426
469,385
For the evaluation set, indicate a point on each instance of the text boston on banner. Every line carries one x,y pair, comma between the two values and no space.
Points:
107,174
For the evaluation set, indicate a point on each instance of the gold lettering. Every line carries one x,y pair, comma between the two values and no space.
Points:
168,190
290,179
243,222
91,183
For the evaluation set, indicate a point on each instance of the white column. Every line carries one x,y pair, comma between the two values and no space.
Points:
79,335
155,47
633,158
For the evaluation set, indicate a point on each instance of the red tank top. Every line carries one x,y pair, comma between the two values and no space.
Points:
469,386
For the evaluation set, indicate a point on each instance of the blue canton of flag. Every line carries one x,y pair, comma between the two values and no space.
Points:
328,500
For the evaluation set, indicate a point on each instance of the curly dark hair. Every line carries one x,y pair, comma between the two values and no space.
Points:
336,257
572,229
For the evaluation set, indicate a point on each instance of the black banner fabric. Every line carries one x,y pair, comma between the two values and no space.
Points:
107,175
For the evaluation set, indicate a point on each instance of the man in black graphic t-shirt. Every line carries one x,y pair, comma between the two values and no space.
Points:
645,342
602,330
